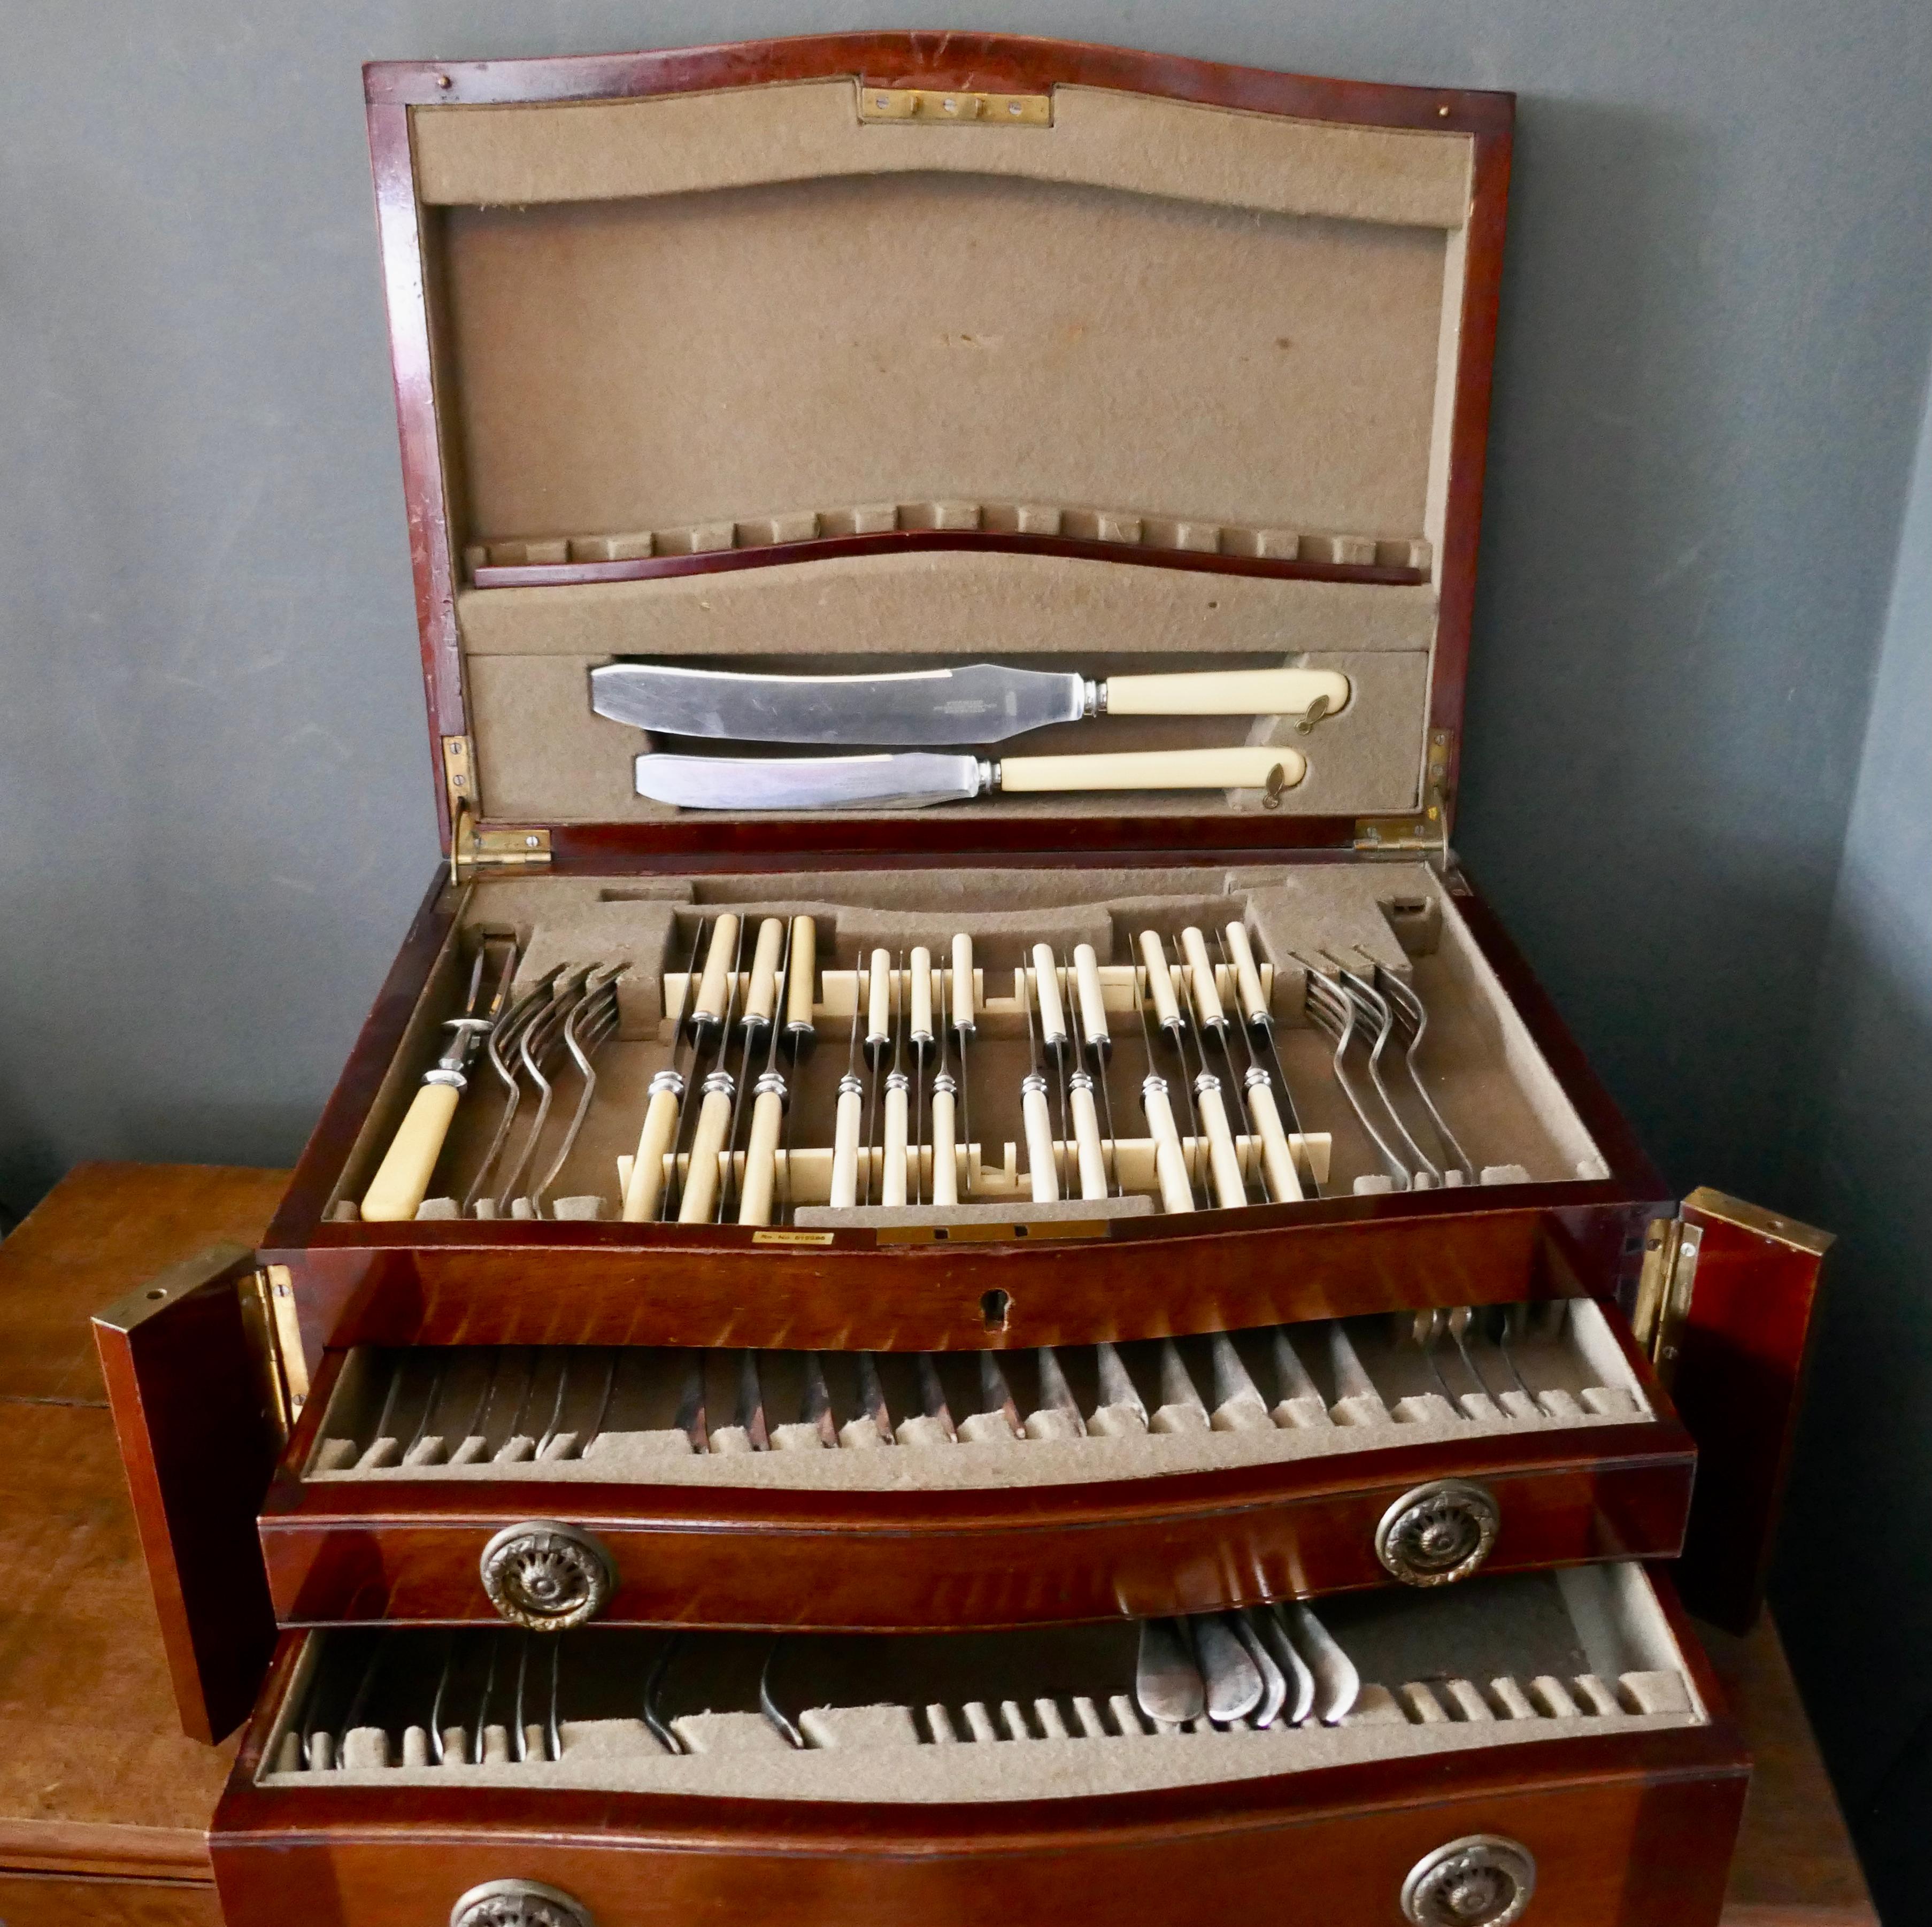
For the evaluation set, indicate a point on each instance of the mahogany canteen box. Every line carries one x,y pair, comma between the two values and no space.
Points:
954,1173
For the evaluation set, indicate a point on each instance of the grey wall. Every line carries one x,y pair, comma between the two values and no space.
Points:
1861,1158
213,766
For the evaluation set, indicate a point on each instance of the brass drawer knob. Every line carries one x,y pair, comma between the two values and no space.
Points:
1480,1880
1437,1533
518,1903
546,1576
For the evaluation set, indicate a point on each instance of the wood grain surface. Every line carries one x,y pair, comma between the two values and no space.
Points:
97,1780
97,1785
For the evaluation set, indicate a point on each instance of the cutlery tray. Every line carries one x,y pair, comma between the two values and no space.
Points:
1210,1472
1529,1724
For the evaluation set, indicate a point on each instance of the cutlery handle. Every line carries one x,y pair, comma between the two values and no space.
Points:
1228,692
892,1176
1170,1160
1247,978
1284,1181
1242,766
647,1169
845,1142
402,1183
761,995
1041,1169
1224,1163
761,1158
701,1174
945,1158
1088,1141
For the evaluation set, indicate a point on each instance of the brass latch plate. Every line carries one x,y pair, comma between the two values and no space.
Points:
1664,1287
962,108
1429,830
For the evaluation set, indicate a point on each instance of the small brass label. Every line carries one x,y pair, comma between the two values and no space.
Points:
954,104
791,1237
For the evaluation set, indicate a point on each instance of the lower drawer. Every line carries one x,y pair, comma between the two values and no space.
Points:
1547,1744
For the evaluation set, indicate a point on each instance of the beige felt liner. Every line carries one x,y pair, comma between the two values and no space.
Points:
1500,1098
512,1416
544,755
699,321
1494,1662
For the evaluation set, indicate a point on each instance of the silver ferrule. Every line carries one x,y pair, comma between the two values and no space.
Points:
720,1083
1093,697
667,1080
447,1073
849,1085
1033,1081
1206,1082
755,1024
770,1084
919,1039
987,769
944,1081
469,1032
1256,1079
898,1081
1080,1081
1153,1086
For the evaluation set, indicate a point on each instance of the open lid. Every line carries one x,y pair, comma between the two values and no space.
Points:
865,353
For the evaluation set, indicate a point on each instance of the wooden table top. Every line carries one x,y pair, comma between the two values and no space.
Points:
96,1777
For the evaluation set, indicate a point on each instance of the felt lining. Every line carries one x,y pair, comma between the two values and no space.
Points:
1504,1104
1495,1663
612,1416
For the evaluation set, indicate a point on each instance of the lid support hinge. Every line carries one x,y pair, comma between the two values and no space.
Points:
471,846
1427,832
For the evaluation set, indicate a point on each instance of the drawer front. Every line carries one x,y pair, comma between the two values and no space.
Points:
1276,1463
1616,1846
677,1557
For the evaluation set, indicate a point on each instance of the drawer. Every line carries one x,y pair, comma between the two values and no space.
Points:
654,1486
1557,1733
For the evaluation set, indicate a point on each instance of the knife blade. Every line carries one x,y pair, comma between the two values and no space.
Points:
916,777
981,702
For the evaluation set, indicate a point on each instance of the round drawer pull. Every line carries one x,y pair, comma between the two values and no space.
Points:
546,1576
518,1903
1480,1880
1438,1533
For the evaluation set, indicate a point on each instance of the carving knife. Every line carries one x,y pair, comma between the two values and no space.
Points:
983,702
913,778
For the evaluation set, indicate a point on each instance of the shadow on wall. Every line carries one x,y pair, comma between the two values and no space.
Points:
1659,824
1852,1584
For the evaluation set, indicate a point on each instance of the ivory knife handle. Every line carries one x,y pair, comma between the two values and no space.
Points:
1284,1181
1092,1155
1039,1148
711,988
1224,1163
892,1181
802,977
845,1149
1247,977
1160,980
920,1025
1046,996
1240,766
1093,998
761,997
1170,1161
945,1160
1228,692
1208,1011
402,1182
642,1195
701,1173
879,1001
761,1159
959,988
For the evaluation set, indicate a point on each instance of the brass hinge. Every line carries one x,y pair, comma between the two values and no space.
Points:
471,846
276,1287
927,103
1664,1286
1429,830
